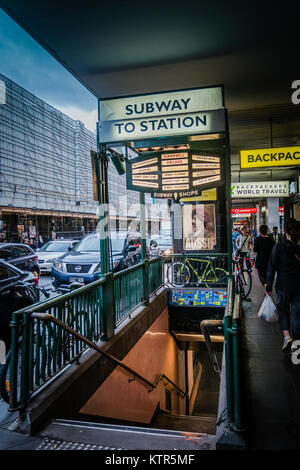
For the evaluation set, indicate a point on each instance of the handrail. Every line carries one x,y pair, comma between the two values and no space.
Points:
153,260
163,376
204,328
47,316
228,309
232,330
135,267
127,270
237,307
61,298
207,253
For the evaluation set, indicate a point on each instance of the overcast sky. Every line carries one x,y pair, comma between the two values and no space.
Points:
25,62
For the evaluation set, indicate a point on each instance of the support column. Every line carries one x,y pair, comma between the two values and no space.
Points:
273,213
143,225
108,318
177,228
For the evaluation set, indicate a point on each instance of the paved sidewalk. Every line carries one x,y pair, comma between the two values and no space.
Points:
10,440
272,381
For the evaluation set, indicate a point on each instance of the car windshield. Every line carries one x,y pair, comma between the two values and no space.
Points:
56,246
89,244
93,244
117,245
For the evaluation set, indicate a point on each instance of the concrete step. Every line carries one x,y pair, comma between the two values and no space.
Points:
198,424
80,435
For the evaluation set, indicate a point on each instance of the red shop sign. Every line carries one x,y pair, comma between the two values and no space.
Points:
244,210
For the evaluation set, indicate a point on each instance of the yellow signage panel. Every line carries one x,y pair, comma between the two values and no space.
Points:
280,156
207,195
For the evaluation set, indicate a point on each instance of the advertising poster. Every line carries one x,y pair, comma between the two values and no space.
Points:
32,231
199,227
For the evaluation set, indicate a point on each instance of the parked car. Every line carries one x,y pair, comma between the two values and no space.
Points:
82,264
21,256
14,296
52,250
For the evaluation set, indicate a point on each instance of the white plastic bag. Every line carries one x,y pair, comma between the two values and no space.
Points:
268,310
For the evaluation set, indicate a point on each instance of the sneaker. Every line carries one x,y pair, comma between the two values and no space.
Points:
287,343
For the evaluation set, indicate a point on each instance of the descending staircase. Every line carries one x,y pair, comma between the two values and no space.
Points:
63,434
198,424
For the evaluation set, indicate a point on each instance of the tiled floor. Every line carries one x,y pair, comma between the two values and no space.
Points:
272,392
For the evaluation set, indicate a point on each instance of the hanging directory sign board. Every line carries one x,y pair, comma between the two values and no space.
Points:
185,112
173,174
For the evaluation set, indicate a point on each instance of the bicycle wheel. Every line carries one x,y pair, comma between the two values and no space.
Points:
216,276
246,279
239,286
178,274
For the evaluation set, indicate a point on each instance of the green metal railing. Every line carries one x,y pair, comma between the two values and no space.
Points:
233,338
128,291
40,350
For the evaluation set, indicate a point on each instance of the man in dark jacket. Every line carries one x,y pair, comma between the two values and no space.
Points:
285,260
276,237
263,248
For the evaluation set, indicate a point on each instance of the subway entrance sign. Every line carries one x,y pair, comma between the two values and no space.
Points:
176,147
160,115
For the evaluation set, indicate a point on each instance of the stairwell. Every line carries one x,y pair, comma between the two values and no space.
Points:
165,431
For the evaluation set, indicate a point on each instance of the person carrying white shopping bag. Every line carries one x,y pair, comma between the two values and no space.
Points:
285,260
268,310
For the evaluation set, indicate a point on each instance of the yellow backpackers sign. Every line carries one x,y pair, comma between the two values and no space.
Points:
281,156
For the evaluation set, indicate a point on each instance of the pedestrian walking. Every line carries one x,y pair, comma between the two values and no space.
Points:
263,246
285,260
235,234
276,237
244,246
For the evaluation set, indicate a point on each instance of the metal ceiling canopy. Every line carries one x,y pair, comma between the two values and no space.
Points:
124,47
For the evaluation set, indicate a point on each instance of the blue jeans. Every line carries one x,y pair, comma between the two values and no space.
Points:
288,307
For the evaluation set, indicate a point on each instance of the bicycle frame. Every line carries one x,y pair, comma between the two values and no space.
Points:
239,273
208,264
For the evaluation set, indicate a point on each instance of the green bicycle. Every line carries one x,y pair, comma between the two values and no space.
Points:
179,273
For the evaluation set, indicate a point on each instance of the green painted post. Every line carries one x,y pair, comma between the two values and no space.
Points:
236,350
143,248
146,281
15,324
26,365
228,196
108,291
108,307
229,367
143,225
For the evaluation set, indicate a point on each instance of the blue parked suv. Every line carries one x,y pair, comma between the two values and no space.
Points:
82,264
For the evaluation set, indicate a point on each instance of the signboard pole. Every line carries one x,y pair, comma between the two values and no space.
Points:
143,225
143,248
108,292
228,197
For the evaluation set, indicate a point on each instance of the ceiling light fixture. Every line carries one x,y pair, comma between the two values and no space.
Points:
193,138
